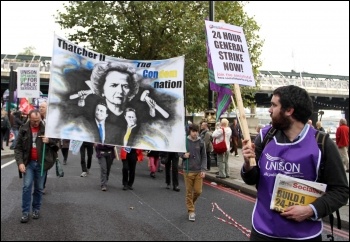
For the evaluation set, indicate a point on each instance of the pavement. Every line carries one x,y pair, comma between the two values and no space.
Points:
234,182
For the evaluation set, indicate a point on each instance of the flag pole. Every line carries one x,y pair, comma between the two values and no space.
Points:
42,160
210,92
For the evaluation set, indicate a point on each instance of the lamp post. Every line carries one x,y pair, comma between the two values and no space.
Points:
210,92
210,113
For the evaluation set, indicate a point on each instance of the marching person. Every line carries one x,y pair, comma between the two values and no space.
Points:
293,151
129,157
342,141
153,157
28,155
206,138
105,155
171,169
64,146
86,148
194,163
224,132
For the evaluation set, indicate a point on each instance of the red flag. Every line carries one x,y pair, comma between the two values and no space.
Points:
25,106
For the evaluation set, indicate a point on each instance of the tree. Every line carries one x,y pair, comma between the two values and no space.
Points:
30,50
151,30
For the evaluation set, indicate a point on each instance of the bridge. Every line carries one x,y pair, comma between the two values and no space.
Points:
329,92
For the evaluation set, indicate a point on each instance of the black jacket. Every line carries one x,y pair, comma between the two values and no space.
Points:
24,146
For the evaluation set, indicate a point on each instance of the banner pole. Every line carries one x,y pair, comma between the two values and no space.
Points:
42,160
243,119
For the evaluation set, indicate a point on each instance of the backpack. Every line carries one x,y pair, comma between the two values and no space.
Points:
320,138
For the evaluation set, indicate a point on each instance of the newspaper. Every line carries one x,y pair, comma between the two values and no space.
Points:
290,191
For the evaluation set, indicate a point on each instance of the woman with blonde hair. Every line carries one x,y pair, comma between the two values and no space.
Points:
224,132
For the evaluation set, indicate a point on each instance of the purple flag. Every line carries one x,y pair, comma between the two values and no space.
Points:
224,91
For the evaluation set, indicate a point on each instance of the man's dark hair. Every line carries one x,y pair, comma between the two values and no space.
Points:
36,111
193,127
295,97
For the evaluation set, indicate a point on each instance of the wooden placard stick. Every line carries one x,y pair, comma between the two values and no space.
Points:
242,118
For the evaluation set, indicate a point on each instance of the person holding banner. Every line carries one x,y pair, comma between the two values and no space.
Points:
105,155
293,151
29,154
88,148
129,157
171,169
153,159
64,146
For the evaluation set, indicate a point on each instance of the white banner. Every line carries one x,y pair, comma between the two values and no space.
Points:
28,82
102,99
229,54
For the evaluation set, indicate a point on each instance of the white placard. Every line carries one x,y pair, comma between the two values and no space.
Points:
229,54
28,82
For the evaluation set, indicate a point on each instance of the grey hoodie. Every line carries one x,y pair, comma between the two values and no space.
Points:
198,158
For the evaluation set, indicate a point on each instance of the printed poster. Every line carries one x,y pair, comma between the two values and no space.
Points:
28,82
229,54
103,99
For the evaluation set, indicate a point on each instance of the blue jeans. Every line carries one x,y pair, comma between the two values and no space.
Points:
33,174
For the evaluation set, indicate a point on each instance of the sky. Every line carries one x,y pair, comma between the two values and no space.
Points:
303,36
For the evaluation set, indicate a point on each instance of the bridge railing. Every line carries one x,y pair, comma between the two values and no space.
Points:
268,83
5,65
314,86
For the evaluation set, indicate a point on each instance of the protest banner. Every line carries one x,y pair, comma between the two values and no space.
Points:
290,191
102,99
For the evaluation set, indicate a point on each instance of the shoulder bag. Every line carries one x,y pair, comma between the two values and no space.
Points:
220,147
